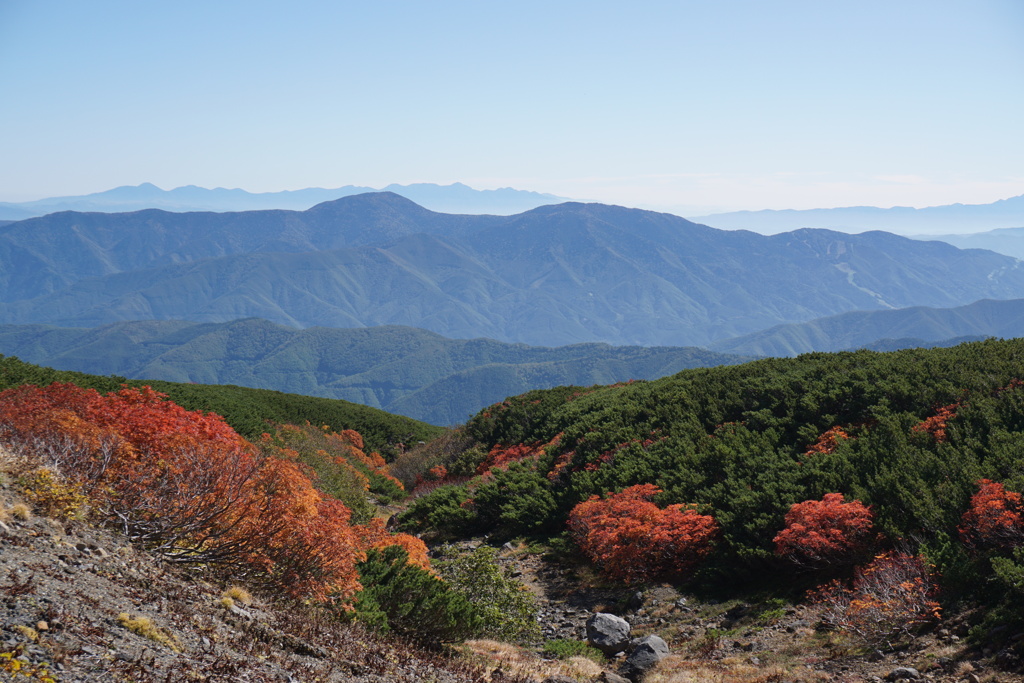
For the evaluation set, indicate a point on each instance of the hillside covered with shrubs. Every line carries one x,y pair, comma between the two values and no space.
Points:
247,410
824,467
297,512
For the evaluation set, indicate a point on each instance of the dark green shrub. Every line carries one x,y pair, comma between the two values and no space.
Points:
507,606
442,512
517,501
405,599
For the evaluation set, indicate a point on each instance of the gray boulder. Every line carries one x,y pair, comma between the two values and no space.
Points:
648,652
608,633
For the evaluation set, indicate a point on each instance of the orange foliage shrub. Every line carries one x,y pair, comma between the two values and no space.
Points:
828,441
825,532
994,519
185,484
303,541
632,539
937,423
888,598
500,457
375,536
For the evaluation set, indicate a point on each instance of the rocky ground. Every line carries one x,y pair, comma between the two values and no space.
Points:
78,603
737,641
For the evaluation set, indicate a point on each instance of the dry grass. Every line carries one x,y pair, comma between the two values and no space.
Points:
28,632
20,511
238,594
7,461
147,629
16,462
676,669
964,668
519,662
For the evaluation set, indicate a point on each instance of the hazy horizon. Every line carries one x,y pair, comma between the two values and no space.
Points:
687,107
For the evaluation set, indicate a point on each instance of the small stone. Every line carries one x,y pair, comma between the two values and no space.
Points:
904,673
42,626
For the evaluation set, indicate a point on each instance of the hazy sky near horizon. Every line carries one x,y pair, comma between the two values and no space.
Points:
691,106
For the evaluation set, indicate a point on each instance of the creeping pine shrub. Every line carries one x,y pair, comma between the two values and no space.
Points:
445,511
507,606
401,597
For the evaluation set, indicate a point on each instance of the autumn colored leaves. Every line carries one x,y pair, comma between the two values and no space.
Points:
184,484
633,539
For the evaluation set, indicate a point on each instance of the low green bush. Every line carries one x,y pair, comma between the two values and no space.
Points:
507,606
410,601
561,648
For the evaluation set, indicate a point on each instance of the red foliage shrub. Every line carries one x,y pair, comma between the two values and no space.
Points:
632,539
937,423
184,484
500,457
825,532
995,518
888,598
828,441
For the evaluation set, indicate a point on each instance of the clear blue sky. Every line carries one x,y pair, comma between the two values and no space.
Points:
691,105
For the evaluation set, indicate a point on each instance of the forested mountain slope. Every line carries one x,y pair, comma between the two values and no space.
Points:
859,329
555,275
399,369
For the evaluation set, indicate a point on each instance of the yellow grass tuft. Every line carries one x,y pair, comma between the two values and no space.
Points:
226,602
28,632
144,627
21,511
238,594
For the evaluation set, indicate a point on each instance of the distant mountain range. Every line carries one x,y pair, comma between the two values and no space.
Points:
885,330
403,370
455,198
1009,241
951,218
550,276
